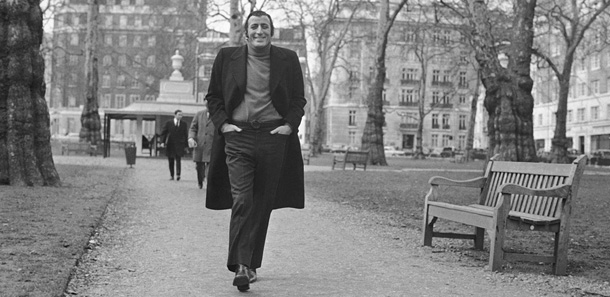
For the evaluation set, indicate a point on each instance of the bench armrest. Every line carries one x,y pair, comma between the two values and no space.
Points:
558,191
478,182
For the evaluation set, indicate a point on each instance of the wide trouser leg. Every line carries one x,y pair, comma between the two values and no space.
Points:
255,160
178,165
200,167
171,166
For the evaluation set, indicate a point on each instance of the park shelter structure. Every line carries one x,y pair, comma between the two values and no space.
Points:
174,93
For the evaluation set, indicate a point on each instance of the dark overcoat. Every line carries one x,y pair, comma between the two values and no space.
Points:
175,138
202,130
226,91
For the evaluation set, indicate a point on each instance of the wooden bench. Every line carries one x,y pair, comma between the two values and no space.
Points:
357,158
513,195
78,147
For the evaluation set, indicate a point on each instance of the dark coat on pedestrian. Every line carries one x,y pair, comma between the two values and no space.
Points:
175,138
226,91
202,130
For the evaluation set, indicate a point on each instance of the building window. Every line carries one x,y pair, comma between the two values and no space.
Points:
461,141
150,80
580,115
122,40
436,75
446,124
137,41
122,60
150,61
435,121
135,82
106,81
123,21
446,75
595,86
462,80
152,40
133,98
137,61
570,116
138,21
436,98
120,82
108,40
108,21
120,101
595,62
352,137
462,122
74,39
434,141
540,120
462,99
106,101
447,139
594,113
582,89
107,60
352,118
73,80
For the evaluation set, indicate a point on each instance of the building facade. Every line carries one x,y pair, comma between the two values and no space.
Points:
135,42
429,75
588,114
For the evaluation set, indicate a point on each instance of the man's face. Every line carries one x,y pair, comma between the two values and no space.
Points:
178,116
259,31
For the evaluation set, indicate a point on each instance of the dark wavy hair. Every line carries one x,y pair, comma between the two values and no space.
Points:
258,13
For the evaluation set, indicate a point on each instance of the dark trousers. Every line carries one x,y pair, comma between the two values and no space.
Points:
254,159
171,165
201,168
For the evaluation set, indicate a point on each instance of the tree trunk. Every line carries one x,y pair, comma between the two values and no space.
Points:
560,141
473,119
25,148
236,33
508,97
372,136
90,118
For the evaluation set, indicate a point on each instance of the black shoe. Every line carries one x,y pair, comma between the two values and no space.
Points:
200,186
252,275
171,178
178,178
241,280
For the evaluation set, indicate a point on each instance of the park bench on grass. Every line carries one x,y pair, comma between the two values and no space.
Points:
78,147
357,158
514,195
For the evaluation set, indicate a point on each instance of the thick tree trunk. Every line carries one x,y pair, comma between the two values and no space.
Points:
508,97
474,105
90,118
25,148
236,33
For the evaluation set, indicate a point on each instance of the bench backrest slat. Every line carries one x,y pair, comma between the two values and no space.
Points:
531,175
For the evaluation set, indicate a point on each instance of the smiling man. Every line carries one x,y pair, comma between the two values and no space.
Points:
256,99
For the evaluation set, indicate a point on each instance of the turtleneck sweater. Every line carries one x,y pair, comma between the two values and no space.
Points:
257,103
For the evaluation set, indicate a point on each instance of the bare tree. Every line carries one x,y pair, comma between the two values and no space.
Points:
25,148
508,97
569,22
372,137
328,31
90,118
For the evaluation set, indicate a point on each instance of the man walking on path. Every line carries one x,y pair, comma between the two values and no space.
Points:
256,99
201,135
174,135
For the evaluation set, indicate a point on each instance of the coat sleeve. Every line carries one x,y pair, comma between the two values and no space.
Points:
297,103
215,97
194,126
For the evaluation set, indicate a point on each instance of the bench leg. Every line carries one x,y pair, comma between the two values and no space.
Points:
560,253
479,236
496,245
428,228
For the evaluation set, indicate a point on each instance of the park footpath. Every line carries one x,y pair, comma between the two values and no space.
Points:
158,239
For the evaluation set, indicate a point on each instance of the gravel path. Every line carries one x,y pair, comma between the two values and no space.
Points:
158,239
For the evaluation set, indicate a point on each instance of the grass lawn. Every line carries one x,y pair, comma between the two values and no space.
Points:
44,231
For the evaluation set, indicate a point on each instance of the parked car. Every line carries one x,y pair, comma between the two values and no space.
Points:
448,152
600,157
544,156
478,154
392,151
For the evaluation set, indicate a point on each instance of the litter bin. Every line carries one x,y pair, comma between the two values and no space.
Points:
130,154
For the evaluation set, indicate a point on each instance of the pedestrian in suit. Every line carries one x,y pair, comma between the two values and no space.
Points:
256,100
201,135
175,134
